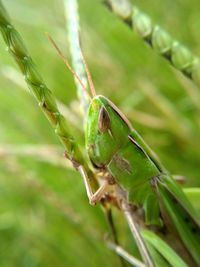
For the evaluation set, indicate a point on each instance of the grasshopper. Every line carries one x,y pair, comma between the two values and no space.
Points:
132,173
116,148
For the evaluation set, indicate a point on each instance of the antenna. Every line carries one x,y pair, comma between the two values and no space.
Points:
68,65
91,85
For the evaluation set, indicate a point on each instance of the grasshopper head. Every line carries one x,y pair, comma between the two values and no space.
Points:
106,131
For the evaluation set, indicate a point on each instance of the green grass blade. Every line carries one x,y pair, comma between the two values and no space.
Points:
163,249
182,214
193,195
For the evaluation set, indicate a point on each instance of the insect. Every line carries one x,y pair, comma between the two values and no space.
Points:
134,167
116,148
139,179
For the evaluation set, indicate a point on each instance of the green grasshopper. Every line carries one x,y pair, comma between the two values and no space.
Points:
116,148
131,172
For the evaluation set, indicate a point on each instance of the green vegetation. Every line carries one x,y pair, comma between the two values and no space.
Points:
45,219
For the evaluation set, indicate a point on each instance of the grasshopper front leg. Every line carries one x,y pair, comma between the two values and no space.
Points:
93,197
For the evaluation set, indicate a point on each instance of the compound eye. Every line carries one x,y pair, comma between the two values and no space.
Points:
104,120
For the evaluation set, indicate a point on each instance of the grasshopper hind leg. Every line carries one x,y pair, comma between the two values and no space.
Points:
126,209
125,255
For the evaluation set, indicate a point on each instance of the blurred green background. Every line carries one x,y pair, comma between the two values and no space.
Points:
45,218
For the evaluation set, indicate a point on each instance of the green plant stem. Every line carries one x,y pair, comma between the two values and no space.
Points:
177,54
72,19
43,95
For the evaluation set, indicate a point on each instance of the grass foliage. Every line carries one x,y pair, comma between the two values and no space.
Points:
45,218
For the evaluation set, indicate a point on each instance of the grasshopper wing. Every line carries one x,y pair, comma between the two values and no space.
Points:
181,213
